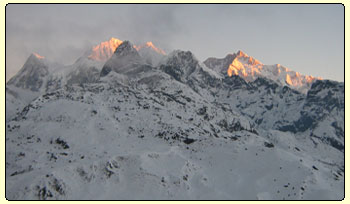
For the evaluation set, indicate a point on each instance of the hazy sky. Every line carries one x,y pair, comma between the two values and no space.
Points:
305,38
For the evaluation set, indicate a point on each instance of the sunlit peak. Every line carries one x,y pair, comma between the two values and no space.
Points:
240,53
38,56
249,68
250,60
113,39
149,44
105,50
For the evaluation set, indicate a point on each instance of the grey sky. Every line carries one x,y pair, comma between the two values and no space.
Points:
305,38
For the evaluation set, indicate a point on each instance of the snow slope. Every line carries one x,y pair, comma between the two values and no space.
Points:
135,148
175,131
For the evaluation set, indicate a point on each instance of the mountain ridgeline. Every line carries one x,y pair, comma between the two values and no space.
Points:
167,126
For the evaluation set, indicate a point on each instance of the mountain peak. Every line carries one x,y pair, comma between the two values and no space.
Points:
37,56
35,59
125,48
240,53
182,56
104,50
151,46
250,69
249,60
180,64
123,59
32,75
113,40
244,65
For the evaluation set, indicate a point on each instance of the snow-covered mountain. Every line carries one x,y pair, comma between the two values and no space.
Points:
33,74
104,50
39,75
250,69
175,129
124,59
151,53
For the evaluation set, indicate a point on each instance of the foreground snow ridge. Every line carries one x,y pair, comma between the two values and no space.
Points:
130,122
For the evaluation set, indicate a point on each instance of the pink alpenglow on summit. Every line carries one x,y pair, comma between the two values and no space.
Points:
105,50
38,56
151,46
250,68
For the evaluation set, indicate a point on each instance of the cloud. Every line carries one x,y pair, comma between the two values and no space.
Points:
271,33
63,33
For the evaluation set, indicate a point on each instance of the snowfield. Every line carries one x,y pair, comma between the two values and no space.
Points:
173,129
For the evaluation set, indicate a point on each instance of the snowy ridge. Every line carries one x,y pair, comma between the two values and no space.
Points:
105,50
250,69
150,45
41,75
152,54
129,128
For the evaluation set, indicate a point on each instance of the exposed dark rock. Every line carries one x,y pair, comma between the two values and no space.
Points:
189,140
269,145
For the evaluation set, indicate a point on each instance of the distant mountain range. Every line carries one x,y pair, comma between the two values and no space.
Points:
133,122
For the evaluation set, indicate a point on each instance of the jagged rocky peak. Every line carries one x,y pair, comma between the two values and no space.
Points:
149,45
32,74
244,66
180,64
35,58
248,59
123,59
126,48
240,53
234,64
104,50
35,62
150,53
181,58
249,68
